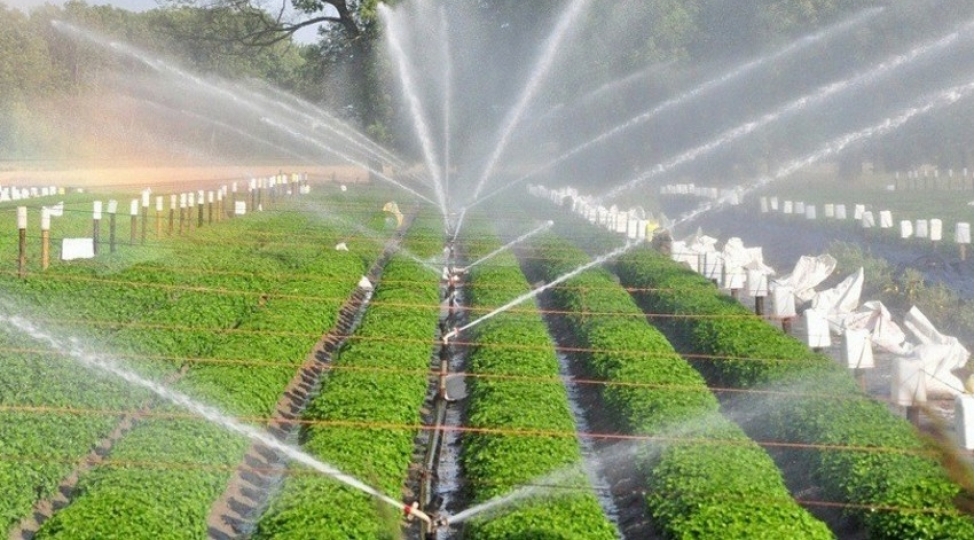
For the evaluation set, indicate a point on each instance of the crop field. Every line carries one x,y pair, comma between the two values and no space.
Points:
229,311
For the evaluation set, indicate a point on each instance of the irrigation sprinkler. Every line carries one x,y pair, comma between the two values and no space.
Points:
433,522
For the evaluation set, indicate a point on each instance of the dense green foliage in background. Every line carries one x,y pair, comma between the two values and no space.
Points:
680,42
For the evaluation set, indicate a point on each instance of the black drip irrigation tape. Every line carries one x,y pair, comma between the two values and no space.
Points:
258,477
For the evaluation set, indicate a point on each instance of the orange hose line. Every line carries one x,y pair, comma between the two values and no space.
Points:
508,377
190,239
300,471
411,305
431,342
364,424
293,277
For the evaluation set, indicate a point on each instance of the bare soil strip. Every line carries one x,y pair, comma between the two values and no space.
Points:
44,509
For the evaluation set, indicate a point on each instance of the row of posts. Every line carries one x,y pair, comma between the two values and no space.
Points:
209,206
931,179
925,229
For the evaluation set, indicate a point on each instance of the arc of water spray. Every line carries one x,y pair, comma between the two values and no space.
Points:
543,227
346,157
535,292
327,119
370,234
227,127
539,72
415,107
99,363
367,146
447,76
812,99
161,66
695,92
838,144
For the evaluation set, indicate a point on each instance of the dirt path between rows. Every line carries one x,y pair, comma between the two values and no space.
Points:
236,512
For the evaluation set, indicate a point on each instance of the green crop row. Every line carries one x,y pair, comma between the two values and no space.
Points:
496,464
208,298
705,478
368,389
883,473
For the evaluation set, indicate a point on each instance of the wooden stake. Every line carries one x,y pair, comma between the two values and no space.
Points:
111,232
22,241
145,218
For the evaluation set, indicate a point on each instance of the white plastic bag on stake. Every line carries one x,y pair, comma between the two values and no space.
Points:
907,229
874,317
965,420
840,211
886,219
866,220
808,273
934,232
783,300
963,233
813,329
907,386
941,354
921,228
828,210
756,282
857,350
837,303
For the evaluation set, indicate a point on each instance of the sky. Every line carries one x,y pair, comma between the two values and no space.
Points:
305,35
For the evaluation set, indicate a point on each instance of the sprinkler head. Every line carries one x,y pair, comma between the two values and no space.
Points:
452,334
413,510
